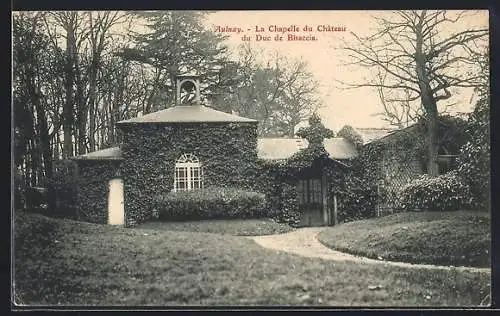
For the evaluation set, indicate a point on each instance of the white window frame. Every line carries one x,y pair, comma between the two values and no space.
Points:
189,164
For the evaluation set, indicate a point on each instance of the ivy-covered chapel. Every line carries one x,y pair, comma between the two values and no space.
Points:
186,147
311,180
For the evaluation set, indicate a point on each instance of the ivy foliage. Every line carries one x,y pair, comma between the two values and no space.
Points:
290,212
366,185
226,151
349,133
316,132
282,176
446,192
93,188
358,195
474,160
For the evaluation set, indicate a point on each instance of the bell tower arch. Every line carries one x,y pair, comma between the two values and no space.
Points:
188,90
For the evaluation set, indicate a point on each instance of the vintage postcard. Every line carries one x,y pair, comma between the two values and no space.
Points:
251,158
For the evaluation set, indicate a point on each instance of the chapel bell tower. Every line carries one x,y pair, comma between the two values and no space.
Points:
188,90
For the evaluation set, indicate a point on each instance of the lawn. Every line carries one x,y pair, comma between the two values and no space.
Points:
74,263
235,227
461,238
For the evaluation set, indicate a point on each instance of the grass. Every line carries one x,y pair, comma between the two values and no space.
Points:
64,262
461,238
235,227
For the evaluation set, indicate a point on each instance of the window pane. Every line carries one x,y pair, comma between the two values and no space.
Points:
188,175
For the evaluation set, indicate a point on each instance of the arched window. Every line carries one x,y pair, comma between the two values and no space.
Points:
188,173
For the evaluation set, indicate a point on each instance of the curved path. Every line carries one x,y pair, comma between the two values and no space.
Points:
304,242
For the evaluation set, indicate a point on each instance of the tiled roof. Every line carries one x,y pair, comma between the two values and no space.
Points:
186,114
267,148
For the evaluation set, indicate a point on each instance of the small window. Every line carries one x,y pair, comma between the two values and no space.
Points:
188,173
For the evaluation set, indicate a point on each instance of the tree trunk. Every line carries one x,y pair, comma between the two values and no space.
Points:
43,132
68,105
432,164
92,98
428,102
82,110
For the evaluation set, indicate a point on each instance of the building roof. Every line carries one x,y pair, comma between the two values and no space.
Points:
283,148
340,148
279,148
186,114
267,148
113,153
371,134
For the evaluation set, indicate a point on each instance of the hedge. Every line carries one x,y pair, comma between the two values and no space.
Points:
445,192
211,202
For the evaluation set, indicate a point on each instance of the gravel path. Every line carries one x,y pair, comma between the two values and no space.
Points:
304,242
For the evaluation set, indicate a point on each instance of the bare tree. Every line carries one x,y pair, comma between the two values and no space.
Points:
419,56
74,34
100,24
280,93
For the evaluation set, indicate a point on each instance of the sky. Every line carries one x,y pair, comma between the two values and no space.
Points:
355,107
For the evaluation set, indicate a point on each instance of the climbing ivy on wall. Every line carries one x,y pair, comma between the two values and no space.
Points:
280,182
227,152
392,156
93,180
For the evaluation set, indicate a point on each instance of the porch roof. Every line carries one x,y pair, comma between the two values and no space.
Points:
113,153
372,134
283,148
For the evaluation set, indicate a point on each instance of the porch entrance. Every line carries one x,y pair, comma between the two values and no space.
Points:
310,202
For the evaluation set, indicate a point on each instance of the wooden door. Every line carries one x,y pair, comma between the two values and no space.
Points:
310,200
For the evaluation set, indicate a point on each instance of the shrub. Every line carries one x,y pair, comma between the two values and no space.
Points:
356,204
62,190
474,159
211,202
445,192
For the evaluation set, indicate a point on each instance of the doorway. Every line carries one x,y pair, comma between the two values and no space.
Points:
310,201
116,210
